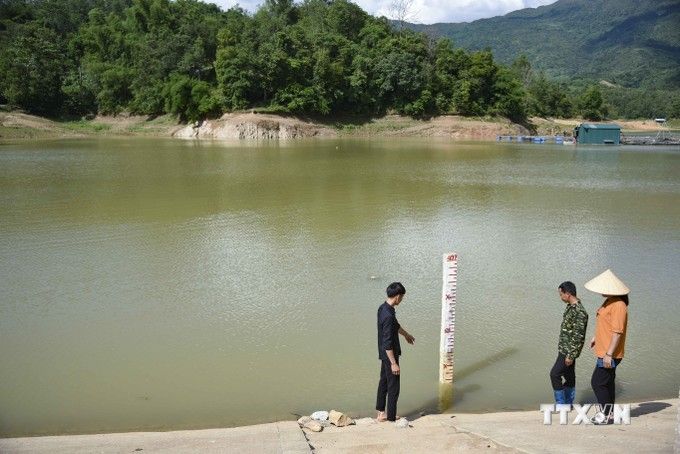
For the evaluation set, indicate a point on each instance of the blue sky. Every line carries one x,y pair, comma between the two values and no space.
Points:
427,11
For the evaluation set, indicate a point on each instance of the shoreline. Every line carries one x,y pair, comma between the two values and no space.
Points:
417,413
250,125
654,427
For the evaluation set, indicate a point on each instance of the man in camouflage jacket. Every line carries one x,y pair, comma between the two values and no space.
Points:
572,336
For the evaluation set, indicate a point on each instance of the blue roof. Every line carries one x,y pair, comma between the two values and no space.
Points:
600,125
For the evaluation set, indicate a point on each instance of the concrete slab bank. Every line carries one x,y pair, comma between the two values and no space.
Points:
284,437
652,430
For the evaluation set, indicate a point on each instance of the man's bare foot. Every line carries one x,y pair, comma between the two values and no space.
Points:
382,417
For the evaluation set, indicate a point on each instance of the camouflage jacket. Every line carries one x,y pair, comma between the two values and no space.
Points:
573,330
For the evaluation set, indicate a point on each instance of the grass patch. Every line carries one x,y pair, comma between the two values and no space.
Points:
272,110
674,123
387,124
21,132
85,126
154,125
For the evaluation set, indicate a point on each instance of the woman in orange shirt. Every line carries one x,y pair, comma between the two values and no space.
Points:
609,341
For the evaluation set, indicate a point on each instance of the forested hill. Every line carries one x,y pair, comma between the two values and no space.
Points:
632,43
73,58
189,58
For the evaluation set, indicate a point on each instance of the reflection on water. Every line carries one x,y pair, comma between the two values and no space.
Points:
153,284
448,394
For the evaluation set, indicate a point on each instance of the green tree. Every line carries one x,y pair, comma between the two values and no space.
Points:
235,65
521,68
400,72
445,72
474,91
547,98
190,99
510,96
32,65
591,104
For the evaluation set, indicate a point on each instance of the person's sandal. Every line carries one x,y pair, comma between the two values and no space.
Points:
600,419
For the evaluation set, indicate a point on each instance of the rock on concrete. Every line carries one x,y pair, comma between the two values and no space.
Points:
401,423
303,420
320,415
339,419
312,425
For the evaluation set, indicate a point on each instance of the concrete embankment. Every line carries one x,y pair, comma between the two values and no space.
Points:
653,429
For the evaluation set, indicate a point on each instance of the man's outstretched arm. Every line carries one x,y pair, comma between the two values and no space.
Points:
410,339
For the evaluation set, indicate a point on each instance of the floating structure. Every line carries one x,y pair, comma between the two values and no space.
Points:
649,140
532,139
598,133
663,129
663,136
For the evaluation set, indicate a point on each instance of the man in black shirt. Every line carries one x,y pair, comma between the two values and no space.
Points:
389,351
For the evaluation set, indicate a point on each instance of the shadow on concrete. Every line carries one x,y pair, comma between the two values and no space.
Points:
646,408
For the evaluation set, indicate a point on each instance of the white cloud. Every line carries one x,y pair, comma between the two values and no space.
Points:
428,11
249,5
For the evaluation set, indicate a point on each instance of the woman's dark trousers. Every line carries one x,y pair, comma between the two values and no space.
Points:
604,388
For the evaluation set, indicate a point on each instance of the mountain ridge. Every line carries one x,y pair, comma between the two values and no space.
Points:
625,42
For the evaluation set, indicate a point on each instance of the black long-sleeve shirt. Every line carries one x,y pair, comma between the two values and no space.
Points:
388,331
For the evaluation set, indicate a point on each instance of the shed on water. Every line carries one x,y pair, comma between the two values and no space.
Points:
600,133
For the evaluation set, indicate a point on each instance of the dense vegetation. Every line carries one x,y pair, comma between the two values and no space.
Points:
633,45
317,58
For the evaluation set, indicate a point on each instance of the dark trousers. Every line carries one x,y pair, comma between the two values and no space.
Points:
388,390
603,385
560,370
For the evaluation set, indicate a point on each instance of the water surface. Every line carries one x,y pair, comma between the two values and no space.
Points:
158,284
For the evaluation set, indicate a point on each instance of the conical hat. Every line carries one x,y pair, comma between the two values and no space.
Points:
607,284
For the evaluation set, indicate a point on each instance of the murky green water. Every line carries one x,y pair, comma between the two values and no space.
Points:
156,284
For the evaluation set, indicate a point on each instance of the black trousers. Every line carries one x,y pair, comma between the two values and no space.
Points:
603,385
561,370
388,390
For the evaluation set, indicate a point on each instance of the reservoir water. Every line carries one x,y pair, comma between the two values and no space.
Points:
160,284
